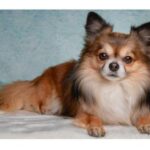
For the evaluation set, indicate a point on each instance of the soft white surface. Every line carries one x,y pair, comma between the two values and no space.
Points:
31,125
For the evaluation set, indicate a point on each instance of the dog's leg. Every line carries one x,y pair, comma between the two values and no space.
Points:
92,123
143,124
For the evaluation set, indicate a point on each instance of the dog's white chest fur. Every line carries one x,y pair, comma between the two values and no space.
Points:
113,104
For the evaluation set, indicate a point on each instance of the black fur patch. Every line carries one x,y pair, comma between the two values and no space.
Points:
73,79
75,89
145,101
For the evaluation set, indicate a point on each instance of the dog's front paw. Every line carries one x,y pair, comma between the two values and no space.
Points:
145,128
96,131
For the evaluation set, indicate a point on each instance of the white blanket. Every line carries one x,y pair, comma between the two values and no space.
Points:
31,125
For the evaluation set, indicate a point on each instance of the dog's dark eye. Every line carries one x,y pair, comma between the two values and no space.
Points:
103,56
128,59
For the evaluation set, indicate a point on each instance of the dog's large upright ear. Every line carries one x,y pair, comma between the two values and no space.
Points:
95,25
143,32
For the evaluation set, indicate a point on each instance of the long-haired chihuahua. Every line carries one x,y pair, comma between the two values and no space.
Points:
109,84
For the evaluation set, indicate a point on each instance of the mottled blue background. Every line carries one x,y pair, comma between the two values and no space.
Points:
30,41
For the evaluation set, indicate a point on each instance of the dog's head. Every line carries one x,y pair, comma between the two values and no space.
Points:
113,55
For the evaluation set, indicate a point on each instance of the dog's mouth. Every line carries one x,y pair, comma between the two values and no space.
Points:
113,75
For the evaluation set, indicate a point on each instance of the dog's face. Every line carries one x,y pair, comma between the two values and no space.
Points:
118,55
115,56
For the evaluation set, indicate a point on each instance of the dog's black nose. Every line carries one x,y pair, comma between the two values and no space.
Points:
113,66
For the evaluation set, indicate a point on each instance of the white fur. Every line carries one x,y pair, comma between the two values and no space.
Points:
53,105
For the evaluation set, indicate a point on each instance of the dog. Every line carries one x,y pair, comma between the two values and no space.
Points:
108,84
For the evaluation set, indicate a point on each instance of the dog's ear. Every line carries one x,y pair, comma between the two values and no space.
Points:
95,25
143,32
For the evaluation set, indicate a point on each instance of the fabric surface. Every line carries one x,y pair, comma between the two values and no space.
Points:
24,124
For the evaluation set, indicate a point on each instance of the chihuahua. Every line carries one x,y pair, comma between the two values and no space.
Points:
108,84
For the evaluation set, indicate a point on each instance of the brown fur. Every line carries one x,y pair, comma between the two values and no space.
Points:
143,124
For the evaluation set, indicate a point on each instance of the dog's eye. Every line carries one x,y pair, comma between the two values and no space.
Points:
128,59
103,56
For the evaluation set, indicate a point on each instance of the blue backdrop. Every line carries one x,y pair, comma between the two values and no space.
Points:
31,41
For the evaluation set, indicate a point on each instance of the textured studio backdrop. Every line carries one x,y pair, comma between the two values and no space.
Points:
32,40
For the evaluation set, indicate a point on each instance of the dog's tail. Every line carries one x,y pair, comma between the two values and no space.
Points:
17,96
